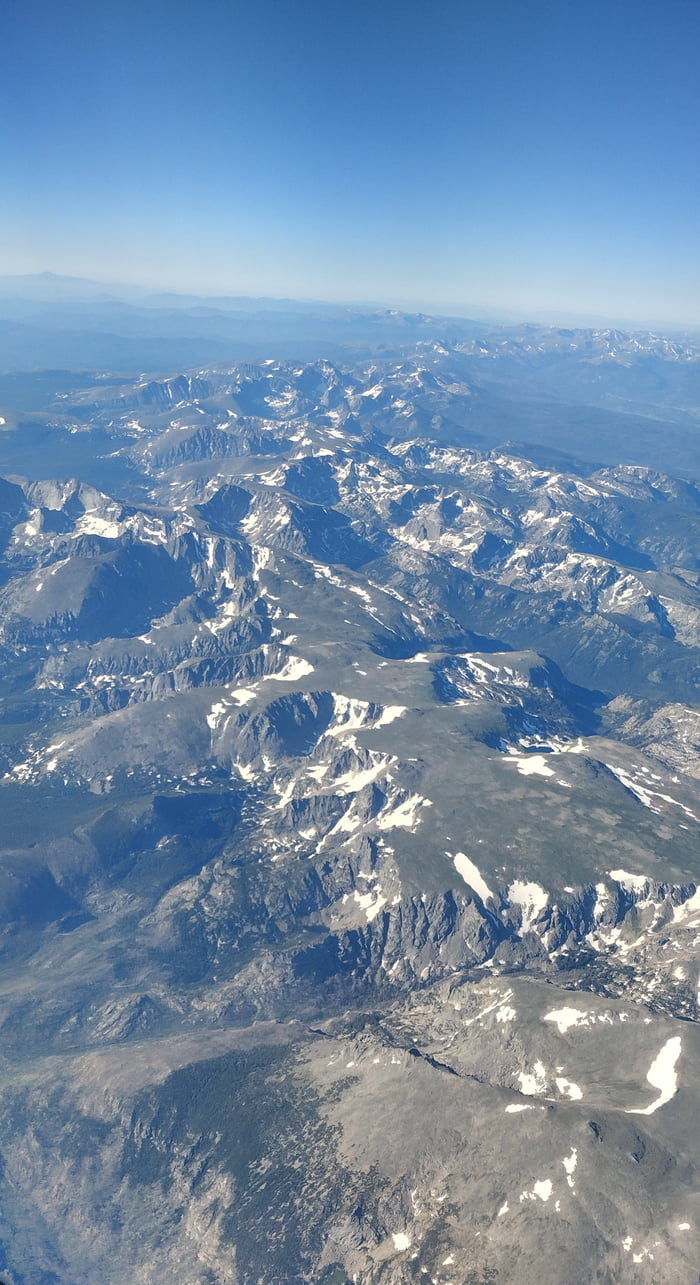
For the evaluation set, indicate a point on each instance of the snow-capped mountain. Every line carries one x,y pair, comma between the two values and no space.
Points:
350,866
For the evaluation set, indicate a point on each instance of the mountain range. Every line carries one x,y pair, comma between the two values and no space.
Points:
349,760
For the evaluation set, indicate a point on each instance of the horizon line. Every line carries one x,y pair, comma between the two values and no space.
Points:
487,313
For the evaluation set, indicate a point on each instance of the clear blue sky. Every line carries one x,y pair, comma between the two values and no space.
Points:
517,154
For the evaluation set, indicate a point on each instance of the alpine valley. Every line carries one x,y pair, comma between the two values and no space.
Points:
350,782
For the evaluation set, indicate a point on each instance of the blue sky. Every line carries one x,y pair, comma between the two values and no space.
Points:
517,155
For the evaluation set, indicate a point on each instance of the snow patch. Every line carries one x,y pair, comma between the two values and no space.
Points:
353,782
505,1013
541,1190
633,883
215,713
531,764
569,1163
243,695
389,714
371,903
295,668
90,525
405,814
567,1017
532,900
689,907
662,1076
535,1082
471,875
569,1089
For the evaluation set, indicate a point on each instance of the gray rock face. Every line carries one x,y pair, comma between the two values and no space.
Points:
349,859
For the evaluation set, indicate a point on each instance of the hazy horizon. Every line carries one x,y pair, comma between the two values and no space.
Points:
144,291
